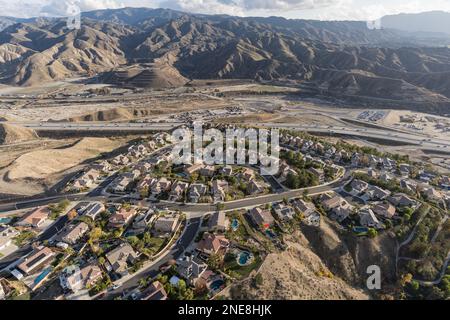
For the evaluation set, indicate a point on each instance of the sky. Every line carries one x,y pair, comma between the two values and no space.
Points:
302,9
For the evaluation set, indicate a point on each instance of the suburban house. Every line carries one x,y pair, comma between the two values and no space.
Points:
145,184
334,202
72,233
385,210
303,207
386,177
283,211
75,279
445,182
213,244
162,185
218,222
87,180
121,217
312,219
219,189
93,209
191,169
154,292
120,160
227,171
339,207
120,257
122,183
36,259
35,218
103,166
7,234
196,191
191,268
368,219
432,194
358,187
372,173
178,191
248,174
261,218
405,169
144,219
256,187
207,171
402,200
318,173
408,185
164,225
374,193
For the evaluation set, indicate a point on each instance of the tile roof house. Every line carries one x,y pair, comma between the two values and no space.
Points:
196,191
218,222
154,292
122,217
219,189
213,244
248,174
119,258
7,234
283,211
93,209
178,191
166,224
72,233
261,218
35,218
375,193
37,258
402,200
80,279
191,268
385,210
256,187
304,207
368,219
358,187
207,171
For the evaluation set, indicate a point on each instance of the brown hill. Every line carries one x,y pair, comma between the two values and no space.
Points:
13,134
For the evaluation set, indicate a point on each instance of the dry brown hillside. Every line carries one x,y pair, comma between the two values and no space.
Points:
13,134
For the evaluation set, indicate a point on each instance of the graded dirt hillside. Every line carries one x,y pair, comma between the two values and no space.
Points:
157,75
297,274
13,134
320,263
105,115
43,163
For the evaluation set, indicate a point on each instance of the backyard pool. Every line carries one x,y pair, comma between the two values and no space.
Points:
216,285
244,258
5,220
270,234
234,224
360,229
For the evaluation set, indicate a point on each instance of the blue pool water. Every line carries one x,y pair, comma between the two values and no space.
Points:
5,220
360,229
216,285
40,277
270,234
234,224
244,256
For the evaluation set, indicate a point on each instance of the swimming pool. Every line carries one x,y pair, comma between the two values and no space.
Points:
5,220
235,224
216,285
360,229
270,234
244,258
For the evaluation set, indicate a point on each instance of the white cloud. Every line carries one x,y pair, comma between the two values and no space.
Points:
312,9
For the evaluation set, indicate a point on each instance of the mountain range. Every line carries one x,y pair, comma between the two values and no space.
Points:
344,58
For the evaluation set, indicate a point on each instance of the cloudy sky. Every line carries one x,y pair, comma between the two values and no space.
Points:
308,9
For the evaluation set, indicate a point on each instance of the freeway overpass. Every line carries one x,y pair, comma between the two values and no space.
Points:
422,141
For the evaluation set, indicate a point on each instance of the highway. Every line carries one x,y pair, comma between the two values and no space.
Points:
422,141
